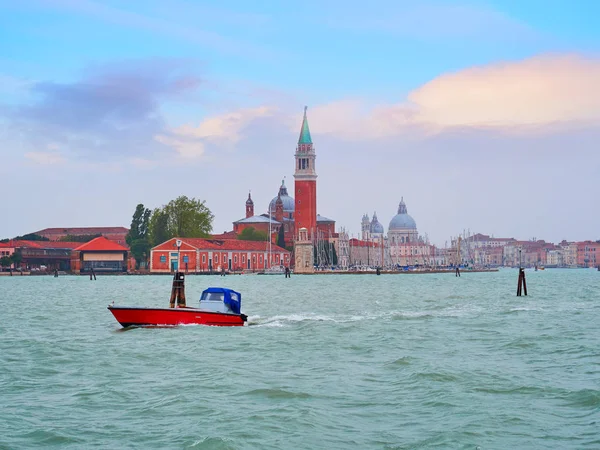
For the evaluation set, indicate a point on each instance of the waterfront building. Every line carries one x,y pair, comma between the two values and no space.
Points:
209,255
526,253
365,253
480,240
101,255
343,249
588,254
6,250
569,250
45,255
554,258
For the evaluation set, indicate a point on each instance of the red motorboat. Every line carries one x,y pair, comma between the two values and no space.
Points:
218,306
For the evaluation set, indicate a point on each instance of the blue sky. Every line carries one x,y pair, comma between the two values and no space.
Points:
457,106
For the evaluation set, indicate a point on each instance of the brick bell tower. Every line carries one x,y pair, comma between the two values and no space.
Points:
305,193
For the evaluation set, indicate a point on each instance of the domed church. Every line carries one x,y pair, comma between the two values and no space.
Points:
372,230
403,228
286,212
288,202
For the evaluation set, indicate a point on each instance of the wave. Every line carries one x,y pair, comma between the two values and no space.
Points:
277,393
284,320
214,443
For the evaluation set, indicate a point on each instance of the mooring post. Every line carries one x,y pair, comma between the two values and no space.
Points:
178,289
521,283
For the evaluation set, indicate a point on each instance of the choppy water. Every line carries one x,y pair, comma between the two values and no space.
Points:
350,361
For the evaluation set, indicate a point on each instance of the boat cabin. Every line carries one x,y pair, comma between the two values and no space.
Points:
221,300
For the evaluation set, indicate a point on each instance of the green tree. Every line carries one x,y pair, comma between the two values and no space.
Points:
145,225
138,249
16,258
139,224
158,229
138,237
281,237
252,234
5,261
188,217
31,237
79,238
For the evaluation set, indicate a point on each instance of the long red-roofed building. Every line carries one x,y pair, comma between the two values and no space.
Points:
116,234
207,255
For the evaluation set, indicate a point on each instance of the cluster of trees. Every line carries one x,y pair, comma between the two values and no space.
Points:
82,238
27,237
15,258
252,234
182,217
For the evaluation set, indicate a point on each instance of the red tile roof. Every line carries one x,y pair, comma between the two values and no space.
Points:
359,243
43,244
223,244
101,244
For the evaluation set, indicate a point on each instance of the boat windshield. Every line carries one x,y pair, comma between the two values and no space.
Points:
213,296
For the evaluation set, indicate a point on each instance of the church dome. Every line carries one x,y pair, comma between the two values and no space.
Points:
288,202
402,220
376,226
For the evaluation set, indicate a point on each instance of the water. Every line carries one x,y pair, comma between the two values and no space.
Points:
341,361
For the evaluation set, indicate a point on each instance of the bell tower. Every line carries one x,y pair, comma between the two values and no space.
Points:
305,193
249,206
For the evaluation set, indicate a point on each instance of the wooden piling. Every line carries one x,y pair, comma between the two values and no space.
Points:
178,291
521,283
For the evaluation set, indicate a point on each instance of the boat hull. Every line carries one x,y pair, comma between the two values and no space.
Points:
131,316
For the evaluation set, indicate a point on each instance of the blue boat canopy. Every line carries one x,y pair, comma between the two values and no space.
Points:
231,298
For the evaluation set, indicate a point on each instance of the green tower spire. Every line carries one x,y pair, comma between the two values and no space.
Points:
305,132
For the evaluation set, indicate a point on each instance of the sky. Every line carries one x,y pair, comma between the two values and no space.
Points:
482,115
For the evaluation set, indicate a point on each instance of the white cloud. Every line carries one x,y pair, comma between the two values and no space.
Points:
545,91
225,129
